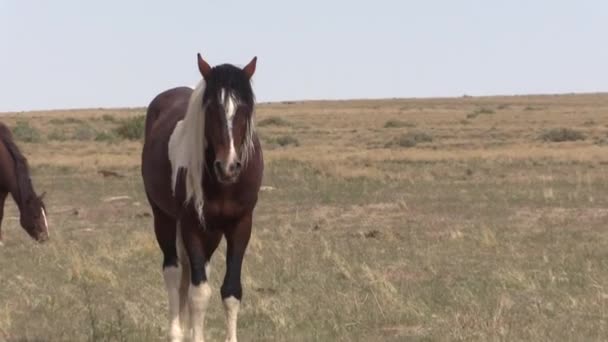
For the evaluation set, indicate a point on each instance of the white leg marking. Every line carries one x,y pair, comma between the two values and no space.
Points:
172,277
207,270
231,306
184,308
199,299
46,223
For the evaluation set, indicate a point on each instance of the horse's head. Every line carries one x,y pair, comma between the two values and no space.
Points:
228,102
33,218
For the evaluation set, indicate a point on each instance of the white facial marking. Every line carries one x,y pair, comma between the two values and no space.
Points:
231,306
46,223
199,300
172,275
230,106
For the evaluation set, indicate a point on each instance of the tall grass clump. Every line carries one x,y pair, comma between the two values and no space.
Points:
410,139
398,124
274,121
131,128
561,135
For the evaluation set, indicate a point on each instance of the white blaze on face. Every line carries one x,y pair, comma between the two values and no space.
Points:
46,223
230,106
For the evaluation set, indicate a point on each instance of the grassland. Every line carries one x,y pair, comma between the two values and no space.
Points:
471,219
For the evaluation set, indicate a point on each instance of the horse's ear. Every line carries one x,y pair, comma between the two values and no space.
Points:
203,67
249,69
41,197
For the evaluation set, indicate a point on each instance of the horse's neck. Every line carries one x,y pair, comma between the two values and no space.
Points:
12,180
16,194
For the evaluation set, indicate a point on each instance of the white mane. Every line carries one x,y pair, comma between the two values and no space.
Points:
187,149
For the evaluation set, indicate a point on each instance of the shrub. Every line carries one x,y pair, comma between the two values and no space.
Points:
84,133
479,111
398,124
282,141
108,137
58,135
561,135
274,121
287,140
410,139
108,118
63,121
24,132
131,128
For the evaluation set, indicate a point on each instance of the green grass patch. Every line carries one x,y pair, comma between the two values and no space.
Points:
23,131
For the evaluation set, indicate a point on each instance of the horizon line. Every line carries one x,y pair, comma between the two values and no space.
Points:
294,101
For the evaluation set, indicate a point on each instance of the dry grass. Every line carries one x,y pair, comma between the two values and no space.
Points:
484,233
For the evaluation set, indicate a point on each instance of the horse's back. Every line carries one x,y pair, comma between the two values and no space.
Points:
171,103
164,112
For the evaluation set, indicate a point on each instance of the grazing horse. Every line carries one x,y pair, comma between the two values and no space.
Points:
15,178
202,168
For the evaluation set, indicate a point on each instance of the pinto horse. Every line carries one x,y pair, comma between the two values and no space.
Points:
202,168
15,179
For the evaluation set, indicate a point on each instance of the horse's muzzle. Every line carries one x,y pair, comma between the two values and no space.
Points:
227,173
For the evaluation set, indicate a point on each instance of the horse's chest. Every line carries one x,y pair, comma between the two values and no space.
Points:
222,209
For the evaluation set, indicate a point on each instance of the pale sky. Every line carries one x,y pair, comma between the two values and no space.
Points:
75,53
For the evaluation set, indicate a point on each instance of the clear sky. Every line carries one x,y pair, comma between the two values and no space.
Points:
75,53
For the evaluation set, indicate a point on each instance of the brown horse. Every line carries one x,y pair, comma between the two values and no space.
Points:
15,179
202,168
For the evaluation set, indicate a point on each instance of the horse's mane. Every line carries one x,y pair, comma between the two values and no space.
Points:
22,171
194,134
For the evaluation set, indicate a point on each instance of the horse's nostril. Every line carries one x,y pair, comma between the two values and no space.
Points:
238,165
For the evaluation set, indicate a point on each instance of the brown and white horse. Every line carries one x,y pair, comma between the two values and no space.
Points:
202,168
15,179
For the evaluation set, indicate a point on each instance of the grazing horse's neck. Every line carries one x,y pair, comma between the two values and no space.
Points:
21,186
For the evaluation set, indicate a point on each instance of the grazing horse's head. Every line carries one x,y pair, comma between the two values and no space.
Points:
33,218
228,102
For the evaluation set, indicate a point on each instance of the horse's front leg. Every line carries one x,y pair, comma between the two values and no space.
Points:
2,199
237,238
199,291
